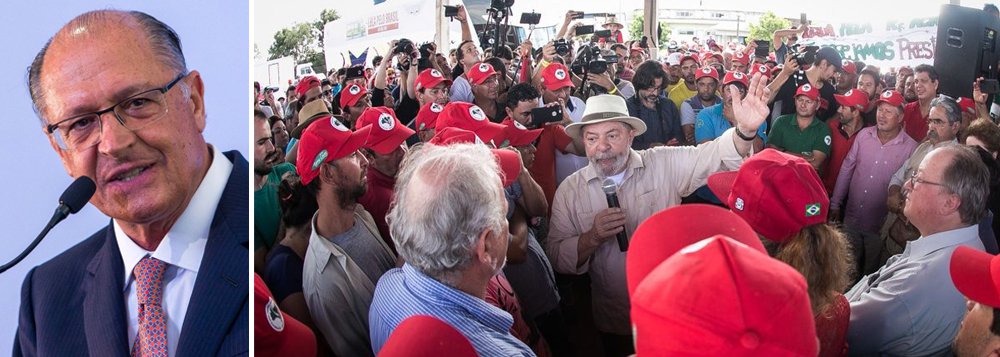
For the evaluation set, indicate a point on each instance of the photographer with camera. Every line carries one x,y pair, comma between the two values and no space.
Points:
663,120
784,40
826,62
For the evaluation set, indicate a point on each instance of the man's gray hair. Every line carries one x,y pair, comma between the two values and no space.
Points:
950,107
446,196
164,41
967,177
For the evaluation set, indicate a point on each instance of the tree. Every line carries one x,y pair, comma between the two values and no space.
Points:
635,30
303,41
765,27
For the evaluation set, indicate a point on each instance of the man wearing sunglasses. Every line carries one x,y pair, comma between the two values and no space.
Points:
168,275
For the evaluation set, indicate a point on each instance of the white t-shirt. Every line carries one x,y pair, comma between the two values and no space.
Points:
567,164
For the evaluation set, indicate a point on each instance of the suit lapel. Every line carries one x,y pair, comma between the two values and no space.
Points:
104,301
221,291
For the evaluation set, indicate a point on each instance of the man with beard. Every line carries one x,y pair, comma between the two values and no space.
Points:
707,80
687,88
582,231
346,255
673,68
787,82
848,78
268,171
874,157
843,131
384,150
872,85
915,114
802,134
663,121
944,123
977,276
485,89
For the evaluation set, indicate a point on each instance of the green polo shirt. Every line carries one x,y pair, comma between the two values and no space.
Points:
785,134
267,210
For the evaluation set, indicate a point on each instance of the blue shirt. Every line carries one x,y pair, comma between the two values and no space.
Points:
404,292
710,123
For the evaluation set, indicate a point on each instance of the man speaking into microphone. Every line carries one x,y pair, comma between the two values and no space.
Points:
168,275
583,229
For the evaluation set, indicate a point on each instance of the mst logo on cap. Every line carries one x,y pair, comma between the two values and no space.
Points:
484,67
336,124
739,204
435,73
738,75
849,92
354,90
762,68
706,70
477,113
519,126
437,108
886,94
385,122
806,87
274,317
560,74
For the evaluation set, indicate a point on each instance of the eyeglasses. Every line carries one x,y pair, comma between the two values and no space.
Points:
914,180
136,112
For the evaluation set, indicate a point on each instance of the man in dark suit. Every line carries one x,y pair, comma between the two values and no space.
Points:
169,275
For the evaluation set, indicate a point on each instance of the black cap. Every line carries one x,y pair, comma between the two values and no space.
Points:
831,56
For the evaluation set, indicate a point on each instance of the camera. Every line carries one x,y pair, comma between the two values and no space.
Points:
406,47
589,60
450,11
562,47
501,4
803,55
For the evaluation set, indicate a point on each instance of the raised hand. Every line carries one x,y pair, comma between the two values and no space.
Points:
751,111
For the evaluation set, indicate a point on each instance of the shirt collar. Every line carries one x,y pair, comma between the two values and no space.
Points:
184,245
897,140
480,310
929,244
325,248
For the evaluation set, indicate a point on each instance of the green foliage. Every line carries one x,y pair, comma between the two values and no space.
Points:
635,30
764,29
303,41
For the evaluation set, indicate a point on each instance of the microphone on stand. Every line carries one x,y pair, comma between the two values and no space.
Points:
71,201
610,192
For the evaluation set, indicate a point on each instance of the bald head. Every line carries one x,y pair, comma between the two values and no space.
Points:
124,28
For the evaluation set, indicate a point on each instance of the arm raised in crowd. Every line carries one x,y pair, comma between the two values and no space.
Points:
463,19
791,65
565,25
517,250
750,113
380,72
533,198
409,81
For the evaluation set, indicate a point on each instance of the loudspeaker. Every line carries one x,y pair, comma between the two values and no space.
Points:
966,48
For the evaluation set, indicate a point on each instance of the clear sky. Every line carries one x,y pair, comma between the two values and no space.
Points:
271,16
35,177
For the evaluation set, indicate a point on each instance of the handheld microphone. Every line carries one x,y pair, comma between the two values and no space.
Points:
610,188
71,201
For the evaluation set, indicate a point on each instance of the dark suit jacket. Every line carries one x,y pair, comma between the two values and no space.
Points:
73,305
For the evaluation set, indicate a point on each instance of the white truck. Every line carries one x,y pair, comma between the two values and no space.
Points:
278,72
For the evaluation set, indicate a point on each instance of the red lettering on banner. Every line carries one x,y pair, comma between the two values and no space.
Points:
383,22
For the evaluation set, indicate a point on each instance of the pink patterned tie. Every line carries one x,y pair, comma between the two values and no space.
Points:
152,338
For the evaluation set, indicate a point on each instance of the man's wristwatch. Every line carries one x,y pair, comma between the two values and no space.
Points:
744,137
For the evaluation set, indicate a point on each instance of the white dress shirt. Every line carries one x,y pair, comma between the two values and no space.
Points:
182,249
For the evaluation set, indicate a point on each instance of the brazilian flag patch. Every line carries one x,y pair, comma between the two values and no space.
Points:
813,209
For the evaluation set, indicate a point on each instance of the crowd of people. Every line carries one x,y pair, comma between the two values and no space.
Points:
613,200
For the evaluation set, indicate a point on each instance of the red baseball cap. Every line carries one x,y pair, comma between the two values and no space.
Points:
556,76
776,193
976,275
967,105
721,298
508,161
741,57
385,137
736,77
760,68
429,78
468,116
706,72
892,97
305,84
326,139
276,333
427,116
352,94
426,336
670,230
808,90
850,67
853,98
690,56
480,72
515,134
